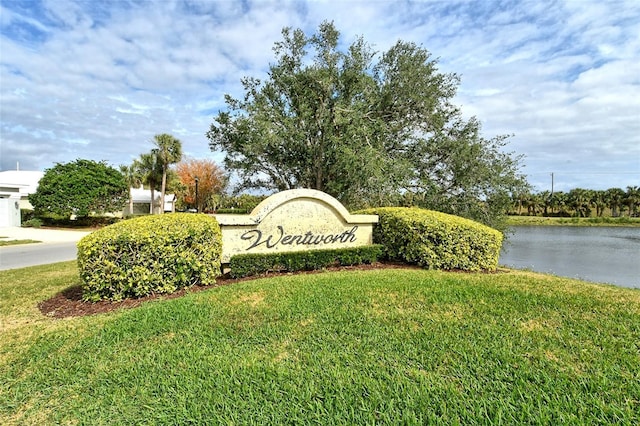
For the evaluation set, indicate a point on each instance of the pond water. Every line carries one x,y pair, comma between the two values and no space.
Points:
599,254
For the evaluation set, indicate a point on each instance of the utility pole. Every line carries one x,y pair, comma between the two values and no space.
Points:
551,183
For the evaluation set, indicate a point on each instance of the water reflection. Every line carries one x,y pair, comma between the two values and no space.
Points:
599,254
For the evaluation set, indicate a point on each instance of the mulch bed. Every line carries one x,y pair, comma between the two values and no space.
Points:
69,303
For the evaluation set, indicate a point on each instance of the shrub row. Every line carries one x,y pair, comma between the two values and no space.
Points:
435,240
149,254
233,211
244,265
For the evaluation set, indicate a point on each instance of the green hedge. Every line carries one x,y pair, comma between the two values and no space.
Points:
435,240
150,254
244,265
233,211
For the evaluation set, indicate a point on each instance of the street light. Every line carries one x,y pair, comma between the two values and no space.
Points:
197,194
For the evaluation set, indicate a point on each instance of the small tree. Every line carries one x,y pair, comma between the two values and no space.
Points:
212,181
80,188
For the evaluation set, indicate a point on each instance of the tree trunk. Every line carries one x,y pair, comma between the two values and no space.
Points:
164,186
152,200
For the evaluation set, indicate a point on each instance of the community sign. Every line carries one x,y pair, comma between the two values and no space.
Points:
294,220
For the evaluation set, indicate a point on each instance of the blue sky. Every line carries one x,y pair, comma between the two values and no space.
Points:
98,79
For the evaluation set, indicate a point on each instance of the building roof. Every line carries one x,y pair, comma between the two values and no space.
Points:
25,181
141,195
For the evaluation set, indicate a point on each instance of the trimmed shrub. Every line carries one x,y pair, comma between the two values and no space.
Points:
435,240
244,265
150,254
233,211
34,222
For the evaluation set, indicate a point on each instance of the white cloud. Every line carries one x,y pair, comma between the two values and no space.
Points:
98,79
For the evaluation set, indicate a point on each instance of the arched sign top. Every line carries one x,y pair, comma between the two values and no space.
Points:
275,201
294,220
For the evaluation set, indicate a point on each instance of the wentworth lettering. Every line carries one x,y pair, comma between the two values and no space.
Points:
257,238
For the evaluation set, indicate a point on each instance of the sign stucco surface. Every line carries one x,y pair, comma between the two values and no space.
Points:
295,220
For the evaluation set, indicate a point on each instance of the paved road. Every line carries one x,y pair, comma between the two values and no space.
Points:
23,255
55,246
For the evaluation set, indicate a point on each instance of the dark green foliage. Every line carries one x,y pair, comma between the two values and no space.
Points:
233,211
34,222
150,254
26,214
80,188
243,202
80,222
436,240
244,265
364,128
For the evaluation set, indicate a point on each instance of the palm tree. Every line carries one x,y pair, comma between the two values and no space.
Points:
150,170
615,197
632,199
534,203
599,200
545,199
519,199
580,200
168,151
558,202
133,178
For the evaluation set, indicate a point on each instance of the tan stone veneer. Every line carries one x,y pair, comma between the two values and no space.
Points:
294,220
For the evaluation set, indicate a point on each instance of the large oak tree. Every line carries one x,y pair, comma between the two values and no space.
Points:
368,129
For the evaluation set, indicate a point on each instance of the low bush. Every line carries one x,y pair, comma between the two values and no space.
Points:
435,240
26,214
149,254
233,211
34,222
244,265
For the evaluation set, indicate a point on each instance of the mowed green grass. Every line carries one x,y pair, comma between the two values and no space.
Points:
377,347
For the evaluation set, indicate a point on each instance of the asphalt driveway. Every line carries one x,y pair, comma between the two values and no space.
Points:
55,246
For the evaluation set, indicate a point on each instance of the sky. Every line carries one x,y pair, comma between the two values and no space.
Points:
97,79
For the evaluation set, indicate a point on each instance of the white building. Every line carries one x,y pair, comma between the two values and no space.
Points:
142,199
15,187
18,184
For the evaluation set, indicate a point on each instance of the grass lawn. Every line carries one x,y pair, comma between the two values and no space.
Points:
386,346
573,221
4,243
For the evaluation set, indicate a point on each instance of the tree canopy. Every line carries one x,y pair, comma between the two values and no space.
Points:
80,188
212,182
369,129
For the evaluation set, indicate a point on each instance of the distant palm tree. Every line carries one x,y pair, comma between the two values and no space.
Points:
545,199
632,198
133,178
599,201
150,170
168,151
534,204
580,200
615,198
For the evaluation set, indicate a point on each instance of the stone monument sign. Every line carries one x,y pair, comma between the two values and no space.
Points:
294,220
